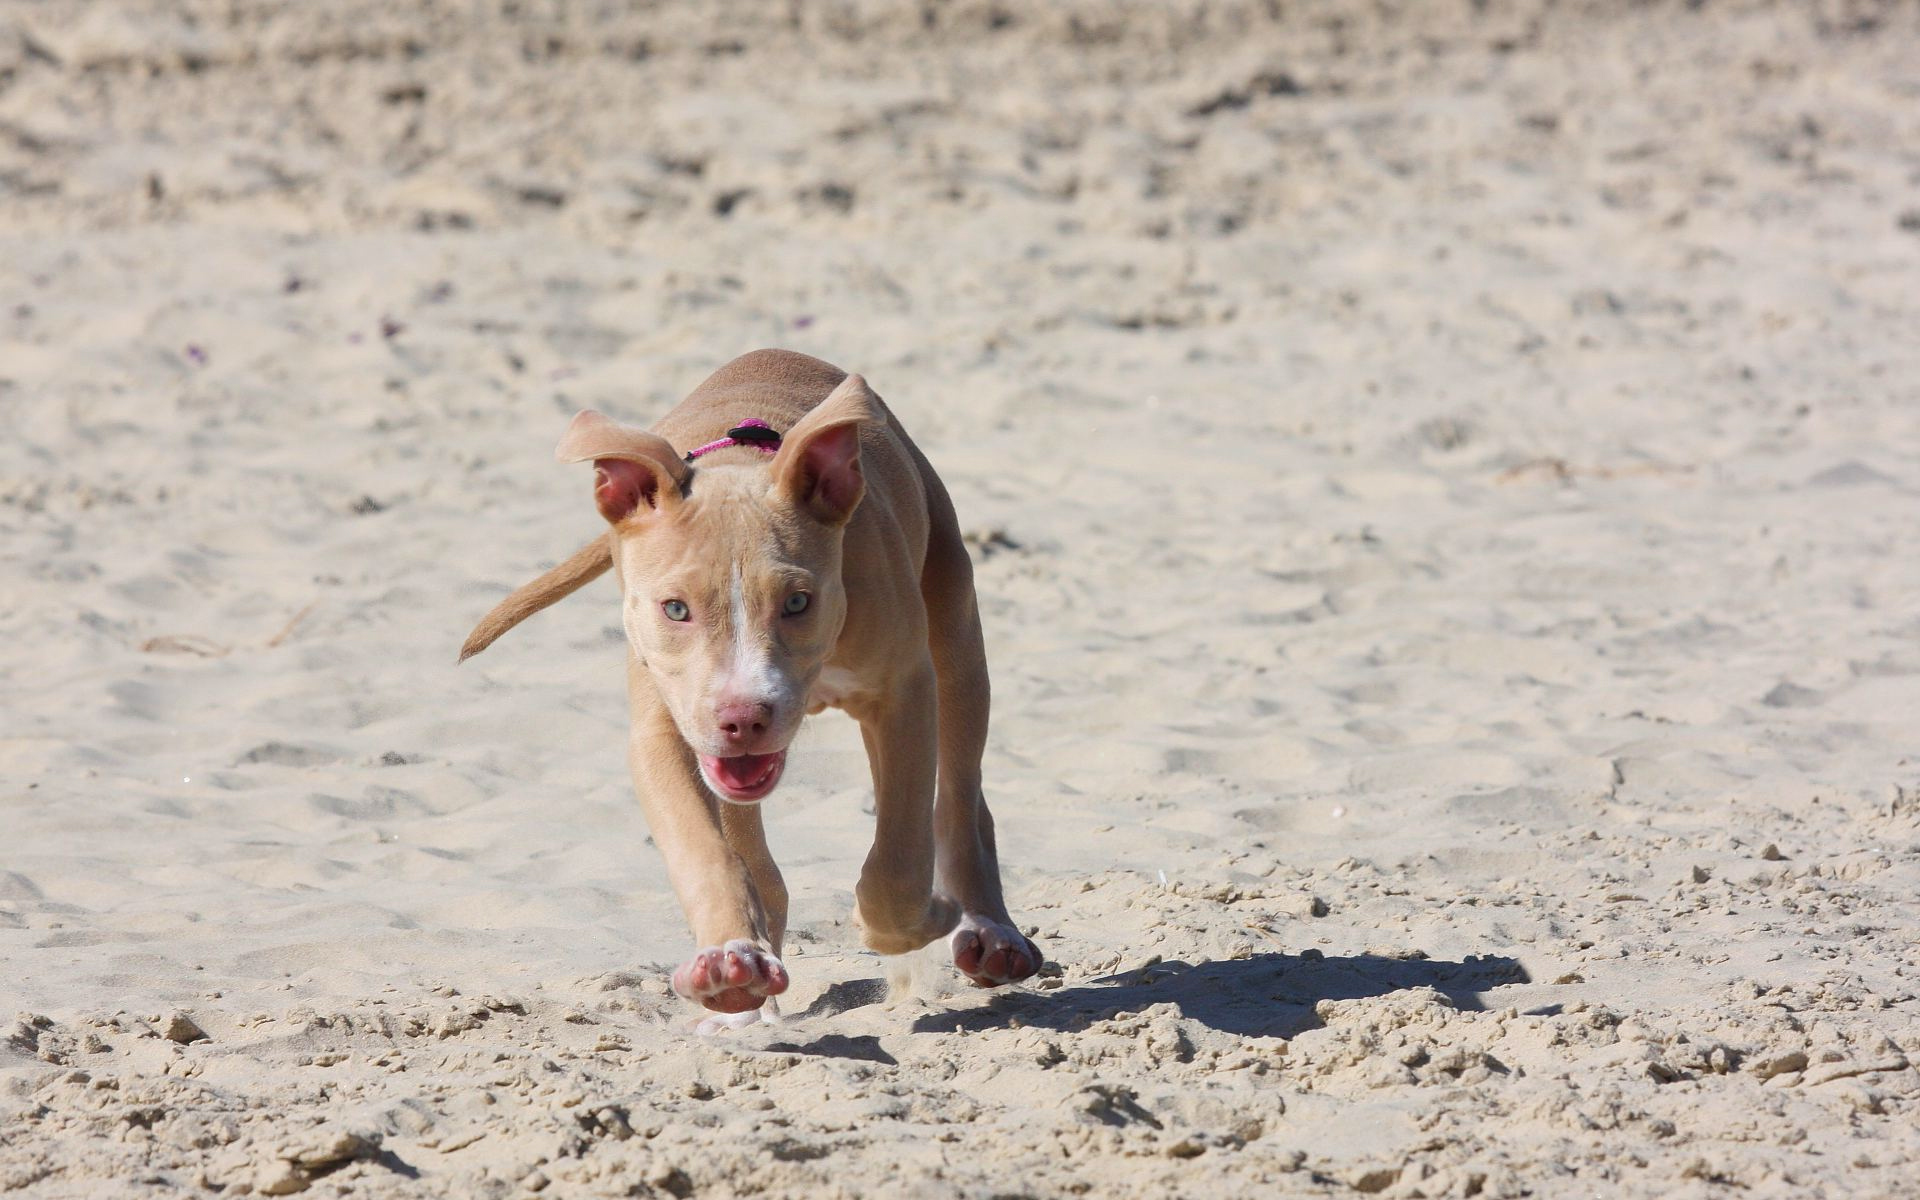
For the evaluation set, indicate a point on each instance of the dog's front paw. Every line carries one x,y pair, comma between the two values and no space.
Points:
991,953
733,978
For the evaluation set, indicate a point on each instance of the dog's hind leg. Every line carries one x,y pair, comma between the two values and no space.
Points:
897,907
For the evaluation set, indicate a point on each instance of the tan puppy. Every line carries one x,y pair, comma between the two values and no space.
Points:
765,579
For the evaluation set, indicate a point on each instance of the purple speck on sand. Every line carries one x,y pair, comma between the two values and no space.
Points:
802,322
198,355
390,328
356,338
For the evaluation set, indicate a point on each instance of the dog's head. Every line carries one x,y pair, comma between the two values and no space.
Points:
731,575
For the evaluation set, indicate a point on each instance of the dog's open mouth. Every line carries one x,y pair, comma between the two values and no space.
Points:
743,778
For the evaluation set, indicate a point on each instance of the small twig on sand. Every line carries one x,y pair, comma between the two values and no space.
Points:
287,629
1261,928
193,643
184,643
1564,471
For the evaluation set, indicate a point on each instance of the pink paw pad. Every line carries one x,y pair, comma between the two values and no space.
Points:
991,953
733,978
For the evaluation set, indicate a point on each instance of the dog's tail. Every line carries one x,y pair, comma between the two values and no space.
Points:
587,564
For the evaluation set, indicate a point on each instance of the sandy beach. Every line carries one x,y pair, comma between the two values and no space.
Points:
1443,480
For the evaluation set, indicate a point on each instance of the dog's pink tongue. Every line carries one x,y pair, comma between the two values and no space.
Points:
740,772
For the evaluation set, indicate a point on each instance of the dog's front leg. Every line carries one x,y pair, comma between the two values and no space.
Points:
896,905
738,967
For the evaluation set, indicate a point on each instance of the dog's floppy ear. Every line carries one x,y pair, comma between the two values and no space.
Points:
631,466
818,466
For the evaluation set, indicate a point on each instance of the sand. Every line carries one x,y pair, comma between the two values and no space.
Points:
1442,478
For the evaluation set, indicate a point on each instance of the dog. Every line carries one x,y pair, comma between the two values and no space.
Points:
783,547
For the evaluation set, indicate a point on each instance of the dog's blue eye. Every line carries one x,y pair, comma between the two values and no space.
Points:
797,603
676,610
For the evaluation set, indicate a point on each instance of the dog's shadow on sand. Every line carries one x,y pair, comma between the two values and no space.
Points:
1266,995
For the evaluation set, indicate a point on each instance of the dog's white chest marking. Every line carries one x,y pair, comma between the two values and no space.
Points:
833,689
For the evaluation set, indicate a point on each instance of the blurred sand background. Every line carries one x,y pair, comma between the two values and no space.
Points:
1444,480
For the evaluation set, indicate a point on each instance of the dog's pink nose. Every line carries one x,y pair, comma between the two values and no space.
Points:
742,720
